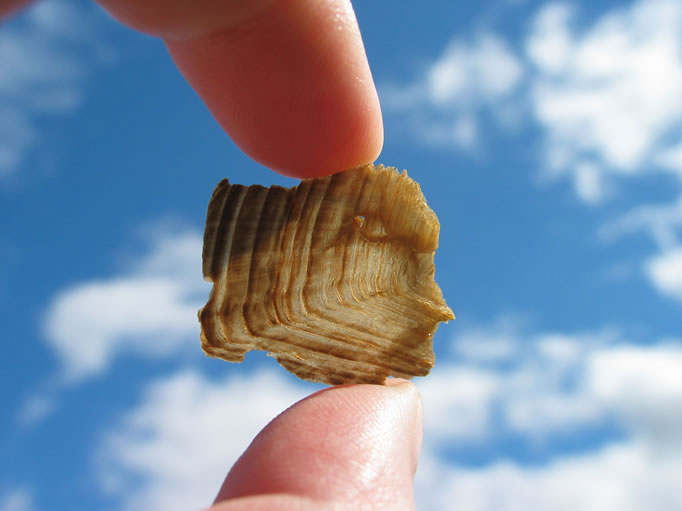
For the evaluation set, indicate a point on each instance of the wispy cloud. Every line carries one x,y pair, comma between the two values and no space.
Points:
174,448
510,384
18,499
45,53
610,95
624,477
36,408
665,272
663,223
607,95
443,107
549,389
148,309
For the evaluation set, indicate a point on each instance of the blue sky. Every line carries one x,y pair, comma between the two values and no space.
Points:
546,136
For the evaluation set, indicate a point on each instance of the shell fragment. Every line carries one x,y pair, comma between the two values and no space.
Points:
333,277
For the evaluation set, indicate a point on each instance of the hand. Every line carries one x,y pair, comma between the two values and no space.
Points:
290,83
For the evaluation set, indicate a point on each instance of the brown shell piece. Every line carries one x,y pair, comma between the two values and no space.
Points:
333,277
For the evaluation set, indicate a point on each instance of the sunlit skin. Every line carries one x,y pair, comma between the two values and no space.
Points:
289,82
353,447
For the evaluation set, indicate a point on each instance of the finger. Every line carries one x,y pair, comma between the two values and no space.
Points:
287,79
354,447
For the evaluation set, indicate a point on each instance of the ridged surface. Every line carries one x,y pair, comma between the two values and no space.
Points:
333,277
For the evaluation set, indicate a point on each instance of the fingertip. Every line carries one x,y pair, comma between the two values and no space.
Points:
287,79
292,87
349,443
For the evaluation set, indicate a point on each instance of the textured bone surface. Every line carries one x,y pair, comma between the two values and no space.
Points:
333,277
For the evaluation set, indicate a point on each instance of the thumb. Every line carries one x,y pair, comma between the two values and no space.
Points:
349,447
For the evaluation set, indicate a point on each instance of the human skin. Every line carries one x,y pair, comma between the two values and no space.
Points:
353,447
289,82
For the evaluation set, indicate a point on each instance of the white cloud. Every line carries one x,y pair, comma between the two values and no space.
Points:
483,71
589,182
36,408
174,448
550,386
665,272
498,342
151,309
671,158
44,53
663,224
613,92
16,500
551,42
509,382
607,93
465,78
626,478
644,387
465,133
458,398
